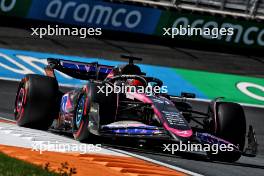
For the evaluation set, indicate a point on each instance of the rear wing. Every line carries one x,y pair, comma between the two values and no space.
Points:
78,70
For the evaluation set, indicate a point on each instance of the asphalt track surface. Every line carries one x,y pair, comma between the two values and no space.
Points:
194,162
21,39
111,48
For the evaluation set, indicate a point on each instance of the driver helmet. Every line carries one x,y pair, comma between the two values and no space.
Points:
135,82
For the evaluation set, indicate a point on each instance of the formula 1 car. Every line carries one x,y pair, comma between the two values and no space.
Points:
89,111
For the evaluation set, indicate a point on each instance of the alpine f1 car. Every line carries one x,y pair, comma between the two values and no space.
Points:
87,111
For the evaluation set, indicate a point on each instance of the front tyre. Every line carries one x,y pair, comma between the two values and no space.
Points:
81,119
230,125
92,107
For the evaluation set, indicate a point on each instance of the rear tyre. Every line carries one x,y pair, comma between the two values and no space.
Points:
36,102
230,126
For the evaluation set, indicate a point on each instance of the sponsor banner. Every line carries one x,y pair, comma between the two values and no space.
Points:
247,34
14,64
101,14
235,88
136,19
17,8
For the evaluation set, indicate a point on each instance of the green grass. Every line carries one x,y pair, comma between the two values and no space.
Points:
14,167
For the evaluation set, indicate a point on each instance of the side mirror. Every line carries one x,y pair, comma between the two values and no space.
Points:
188,95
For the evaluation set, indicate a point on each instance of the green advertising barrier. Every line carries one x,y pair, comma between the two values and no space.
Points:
18,8
242,89
246,34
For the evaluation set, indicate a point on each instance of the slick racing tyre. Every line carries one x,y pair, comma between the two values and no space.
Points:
92,110
230,126
36,101
81,118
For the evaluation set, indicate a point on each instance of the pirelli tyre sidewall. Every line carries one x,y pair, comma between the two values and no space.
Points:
81,116
104,111
230,126
36,103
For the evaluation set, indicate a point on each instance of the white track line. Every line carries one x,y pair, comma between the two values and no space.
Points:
13,135
157,162
2,118
142,158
